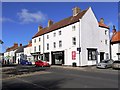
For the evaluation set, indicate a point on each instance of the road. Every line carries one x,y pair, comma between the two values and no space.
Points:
56,78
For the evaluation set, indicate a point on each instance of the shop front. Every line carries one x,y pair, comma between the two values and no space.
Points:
57,57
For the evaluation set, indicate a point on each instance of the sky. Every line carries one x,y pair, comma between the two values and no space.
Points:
20,20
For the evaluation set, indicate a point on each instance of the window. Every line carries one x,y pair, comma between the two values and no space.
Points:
54,34
47,46
35,49
74,41
105,41
54,44
92,54
60,43
105,32
39,47
60,32
39,39
34,40
73,28
47,36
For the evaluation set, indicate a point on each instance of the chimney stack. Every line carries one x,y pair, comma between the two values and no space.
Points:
15,44
114,30
102,21
40,28
20,45
76,10
50,22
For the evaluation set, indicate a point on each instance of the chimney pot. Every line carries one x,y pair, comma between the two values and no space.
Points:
20,45
40,28
50,22
114,30
76,10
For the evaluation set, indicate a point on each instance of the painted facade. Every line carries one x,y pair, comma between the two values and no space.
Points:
80,41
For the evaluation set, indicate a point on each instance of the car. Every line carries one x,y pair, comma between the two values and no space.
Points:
105,63
41,63
25,62
116,64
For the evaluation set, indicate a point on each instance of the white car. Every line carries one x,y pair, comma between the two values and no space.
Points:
105,63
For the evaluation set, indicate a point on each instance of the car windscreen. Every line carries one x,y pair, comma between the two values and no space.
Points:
104,61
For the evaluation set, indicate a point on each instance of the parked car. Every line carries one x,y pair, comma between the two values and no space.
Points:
41,63
25,62
116,64
105,63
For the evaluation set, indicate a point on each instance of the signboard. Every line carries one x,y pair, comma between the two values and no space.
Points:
73,55
79,49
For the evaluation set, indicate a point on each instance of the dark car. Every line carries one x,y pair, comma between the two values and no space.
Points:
105,63
41,63
116,64
25,62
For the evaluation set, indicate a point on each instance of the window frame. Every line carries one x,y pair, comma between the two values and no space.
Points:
60,32
74,41
92,56
47,46
54,44
60,43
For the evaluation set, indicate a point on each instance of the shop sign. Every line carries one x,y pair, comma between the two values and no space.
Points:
73,55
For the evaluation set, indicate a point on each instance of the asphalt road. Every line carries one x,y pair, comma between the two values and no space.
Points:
56,78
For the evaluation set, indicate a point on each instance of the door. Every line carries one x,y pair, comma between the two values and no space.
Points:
101,56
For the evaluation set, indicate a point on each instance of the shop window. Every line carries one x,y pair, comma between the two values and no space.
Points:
92,54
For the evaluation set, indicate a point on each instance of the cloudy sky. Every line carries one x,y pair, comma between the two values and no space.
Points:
20,21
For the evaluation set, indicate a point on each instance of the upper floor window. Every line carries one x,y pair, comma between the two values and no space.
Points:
106,42
54,44
34,40
60,43
74,40
60,32
39,47
35,48
47,36
54,34
39,39
73,28
47,46
105,32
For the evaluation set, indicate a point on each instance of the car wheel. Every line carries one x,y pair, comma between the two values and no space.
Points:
105,66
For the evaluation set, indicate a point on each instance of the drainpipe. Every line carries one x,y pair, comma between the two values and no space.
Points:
79,40
43,47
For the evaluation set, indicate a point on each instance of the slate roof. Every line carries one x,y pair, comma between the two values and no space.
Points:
21,49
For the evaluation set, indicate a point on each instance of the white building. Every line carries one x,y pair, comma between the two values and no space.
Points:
115,45
9,55
77,39
28,51
20,54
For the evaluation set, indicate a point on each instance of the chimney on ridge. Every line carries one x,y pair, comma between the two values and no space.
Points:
50,22
76,10
102,21
40,28
114,30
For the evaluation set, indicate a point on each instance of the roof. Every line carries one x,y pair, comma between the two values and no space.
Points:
103,25
116,38
62,23
21,49
29,45
11,48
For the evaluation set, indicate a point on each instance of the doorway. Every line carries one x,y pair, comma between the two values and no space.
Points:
101,56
